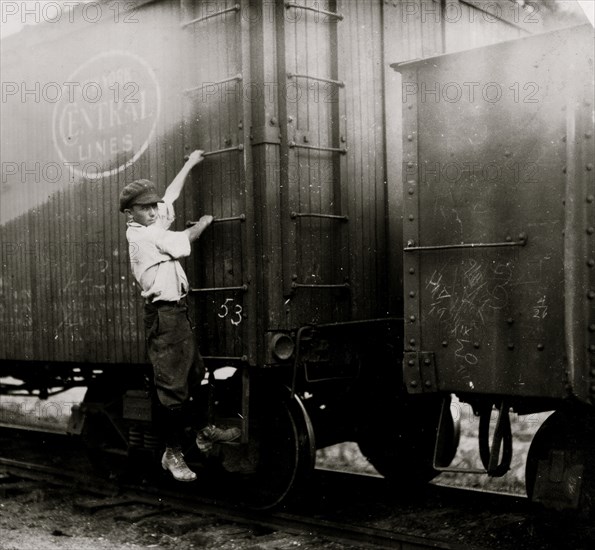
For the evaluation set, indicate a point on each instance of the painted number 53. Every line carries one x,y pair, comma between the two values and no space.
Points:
230,308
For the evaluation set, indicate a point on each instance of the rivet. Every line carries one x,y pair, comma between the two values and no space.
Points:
410,243
294,277
508,238
590,198
540,347
522,237
306,140
591,262
590,230
588,134
592,327
409,164
409,137
289,119
476,345
592,372
411,191
412,270
413,384
412,294
444,344
510,320
592,388
564,139
412,341
428,384
591,294
427,361
510,345
507,153
564,170
240,125
411,363
592,347
411,217
343,139
412,318
589,166
273,121
411,182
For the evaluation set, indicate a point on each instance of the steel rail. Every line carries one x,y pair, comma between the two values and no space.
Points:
364,537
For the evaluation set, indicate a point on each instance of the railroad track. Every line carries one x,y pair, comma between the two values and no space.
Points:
358,511
280,521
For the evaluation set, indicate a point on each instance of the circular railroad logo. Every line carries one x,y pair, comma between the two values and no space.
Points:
107,114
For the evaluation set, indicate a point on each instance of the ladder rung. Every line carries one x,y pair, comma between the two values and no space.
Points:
240,218
239,147
237,77
243,288
339,83
341,150
317,215
344,286
236,7
317,10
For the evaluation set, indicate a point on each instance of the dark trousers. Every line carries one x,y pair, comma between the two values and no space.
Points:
178,369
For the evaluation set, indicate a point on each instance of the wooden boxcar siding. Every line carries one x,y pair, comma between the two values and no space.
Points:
67,290
70,272
361,66
372,35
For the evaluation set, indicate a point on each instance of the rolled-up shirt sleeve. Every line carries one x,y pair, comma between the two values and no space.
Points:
175,244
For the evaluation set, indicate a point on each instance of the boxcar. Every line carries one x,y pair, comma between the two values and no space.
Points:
297,285
499,247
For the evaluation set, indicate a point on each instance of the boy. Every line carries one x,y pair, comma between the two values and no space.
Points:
177,365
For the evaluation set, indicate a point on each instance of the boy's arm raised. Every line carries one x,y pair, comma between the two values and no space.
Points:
175,187
195,230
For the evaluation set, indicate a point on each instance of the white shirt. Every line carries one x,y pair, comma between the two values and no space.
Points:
154,252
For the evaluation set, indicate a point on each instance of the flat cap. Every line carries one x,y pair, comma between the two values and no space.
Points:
138,192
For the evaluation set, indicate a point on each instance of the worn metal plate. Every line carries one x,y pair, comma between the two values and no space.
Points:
485,208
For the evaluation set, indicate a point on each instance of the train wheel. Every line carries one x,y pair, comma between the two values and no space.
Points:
400,442
560,468
280,454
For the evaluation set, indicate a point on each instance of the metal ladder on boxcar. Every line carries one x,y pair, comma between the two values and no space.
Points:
191,25
330,151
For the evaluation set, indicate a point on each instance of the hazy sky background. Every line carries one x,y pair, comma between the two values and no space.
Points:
9,24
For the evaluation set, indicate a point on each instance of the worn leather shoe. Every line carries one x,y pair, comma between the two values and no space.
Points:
173,460
211,434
